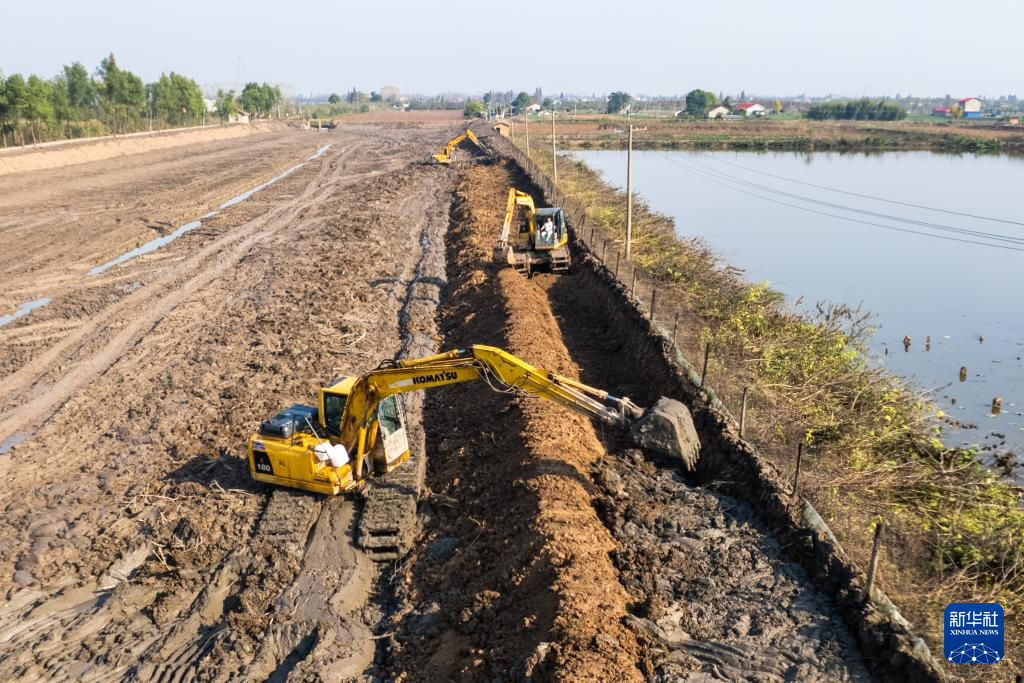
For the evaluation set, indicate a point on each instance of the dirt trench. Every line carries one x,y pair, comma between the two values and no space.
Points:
555,551
134,545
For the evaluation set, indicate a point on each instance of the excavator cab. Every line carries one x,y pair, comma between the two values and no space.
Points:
541,238
549,229
302,446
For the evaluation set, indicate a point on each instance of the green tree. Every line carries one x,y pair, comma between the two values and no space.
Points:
259,100
176,99
375,97
522,101
37,105
15,95
474,109
334,98
123,91
82,93
547,104
227,105
488,97
3,110
778,106
698,102
60,99
617,101
956,111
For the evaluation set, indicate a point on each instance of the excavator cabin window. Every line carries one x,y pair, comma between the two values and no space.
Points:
334,406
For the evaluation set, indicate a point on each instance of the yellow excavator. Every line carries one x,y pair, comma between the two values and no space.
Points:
357,428
447,156
542,237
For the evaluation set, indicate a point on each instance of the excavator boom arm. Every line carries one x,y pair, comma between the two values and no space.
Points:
515,198
501,370
449,149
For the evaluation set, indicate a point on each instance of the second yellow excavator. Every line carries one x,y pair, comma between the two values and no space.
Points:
447,155
542,237
357,428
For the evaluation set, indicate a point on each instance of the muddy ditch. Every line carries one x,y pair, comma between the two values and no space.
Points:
555,550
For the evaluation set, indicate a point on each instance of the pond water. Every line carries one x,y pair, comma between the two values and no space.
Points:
931,244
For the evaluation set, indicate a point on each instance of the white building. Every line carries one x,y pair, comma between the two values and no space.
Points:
717,111
751,109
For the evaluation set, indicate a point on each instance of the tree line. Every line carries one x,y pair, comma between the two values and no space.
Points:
864,109
112,100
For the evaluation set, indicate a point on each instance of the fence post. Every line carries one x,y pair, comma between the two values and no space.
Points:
604,251
654,299
799,462
873,564
618,254
743,411
675,328
704,372
632,289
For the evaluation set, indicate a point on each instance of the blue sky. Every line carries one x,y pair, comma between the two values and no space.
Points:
800,46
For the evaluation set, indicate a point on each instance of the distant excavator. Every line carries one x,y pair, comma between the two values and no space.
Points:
357,429
447,156
542,237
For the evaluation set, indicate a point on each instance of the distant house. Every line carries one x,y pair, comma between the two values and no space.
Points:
504,128
751,109
533,108
971,107
942,111
717,111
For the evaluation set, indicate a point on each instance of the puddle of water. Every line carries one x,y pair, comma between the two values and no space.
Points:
248,193
149,246
12,441
319,152
24,309
155,244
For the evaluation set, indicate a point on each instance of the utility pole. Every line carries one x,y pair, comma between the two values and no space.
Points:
554,151
629,193
526,116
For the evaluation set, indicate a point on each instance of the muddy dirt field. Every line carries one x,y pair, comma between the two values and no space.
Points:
134,545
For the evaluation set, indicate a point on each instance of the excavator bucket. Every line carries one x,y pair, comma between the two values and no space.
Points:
667,428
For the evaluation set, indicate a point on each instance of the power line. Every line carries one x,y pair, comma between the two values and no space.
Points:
842,207
867,196
729,185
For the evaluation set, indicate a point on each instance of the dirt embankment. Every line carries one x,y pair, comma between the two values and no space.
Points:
133,542
555,551
67,153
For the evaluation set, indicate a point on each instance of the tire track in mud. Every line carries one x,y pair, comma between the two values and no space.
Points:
174,285
200,591
673,581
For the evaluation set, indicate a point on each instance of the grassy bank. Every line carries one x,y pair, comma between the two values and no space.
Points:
955,531
781,134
